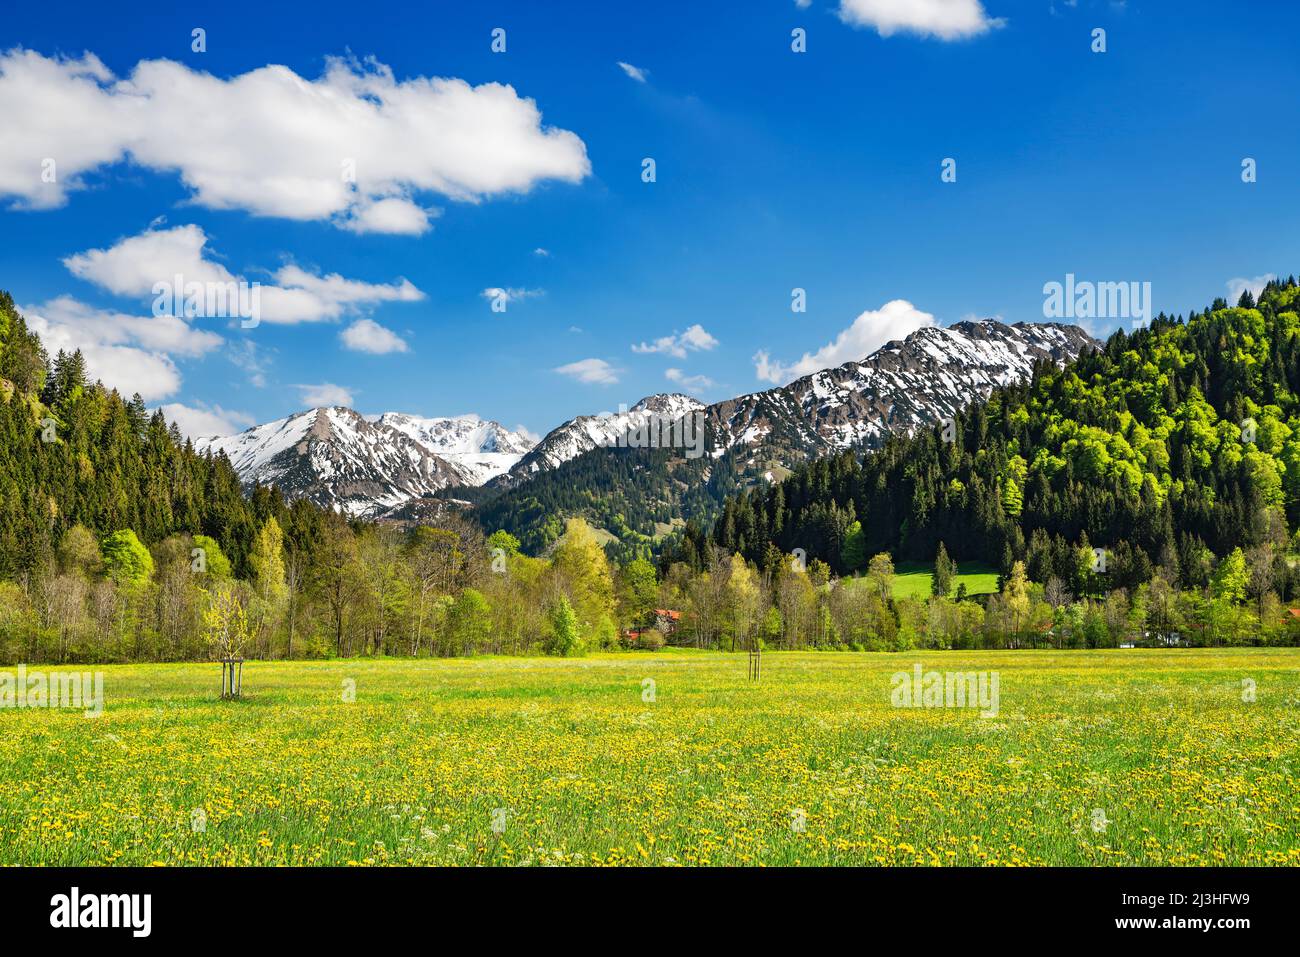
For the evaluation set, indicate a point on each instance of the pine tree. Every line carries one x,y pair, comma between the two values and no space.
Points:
944,572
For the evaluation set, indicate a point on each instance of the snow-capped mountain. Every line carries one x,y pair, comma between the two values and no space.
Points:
904,385
484,449
389,465
367,466
587,432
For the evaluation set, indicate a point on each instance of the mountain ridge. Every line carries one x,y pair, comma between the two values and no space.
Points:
383,466
368,465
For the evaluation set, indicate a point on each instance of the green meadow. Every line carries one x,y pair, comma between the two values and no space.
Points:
916,579
1128,757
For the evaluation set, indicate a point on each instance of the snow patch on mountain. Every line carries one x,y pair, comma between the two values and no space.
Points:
484,449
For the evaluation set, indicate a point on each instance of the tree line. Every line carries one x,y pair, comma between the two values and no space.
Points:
1143,494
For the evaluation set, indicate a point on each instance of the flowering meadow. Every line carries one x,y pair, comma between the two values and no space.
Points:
1121,757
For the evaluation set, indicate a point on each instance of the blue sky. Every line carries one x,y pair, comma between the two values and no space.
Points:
775,170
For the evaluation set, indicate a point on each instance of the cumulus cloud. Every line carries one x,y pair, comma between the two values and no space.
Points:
355,146
694,339
392,215
591,371
634,72
691,383
162,333
324,393
201,421
944,19
132,267
127,352
1237,286
366,335
894,320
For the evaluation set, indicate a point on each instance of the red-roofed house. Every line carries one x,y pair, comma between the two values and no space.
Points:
667,620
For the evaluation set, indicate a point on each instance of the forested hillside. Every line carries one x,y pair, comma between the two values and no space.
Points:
73,453
1172,447
119,542
637,495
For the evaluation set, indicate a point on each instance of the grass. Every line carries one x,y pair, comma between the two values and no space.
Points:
915,579
1104,757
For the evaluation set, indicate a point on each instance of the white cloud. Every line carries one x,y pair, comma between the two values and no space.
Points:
128,370
634,72
691,383
894,320
393,215
541,253
803,4
161,333
127,352
133,265
528,433
47,98
694,339
275,144
590,371
324,393
336,293
944,19
1237,286
365,335
204,421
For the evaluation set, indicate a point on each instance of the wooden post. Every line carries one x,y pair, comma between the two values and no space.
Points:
232,677
755,659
